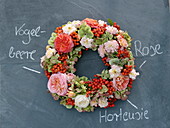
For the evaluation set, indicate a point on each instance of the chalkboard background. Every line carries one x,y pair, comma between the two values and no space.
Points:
24,101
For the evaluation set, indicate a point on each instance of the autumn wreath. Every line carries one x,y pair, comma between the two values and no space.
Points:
66,45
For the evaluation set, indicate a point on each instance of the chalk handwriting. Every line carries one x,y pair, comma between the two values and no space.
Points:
144,51
21,54
123,115
21,31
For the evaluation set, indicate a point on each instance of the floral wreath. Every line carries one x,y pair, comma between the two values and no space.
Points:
67,44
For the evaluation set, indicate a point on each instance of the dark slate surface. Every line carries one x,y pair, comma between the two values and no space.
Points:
24,102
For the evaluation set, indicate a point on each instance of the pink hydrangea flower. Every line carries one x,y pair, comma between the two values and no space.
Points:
101,50
111,46
58,84
120,83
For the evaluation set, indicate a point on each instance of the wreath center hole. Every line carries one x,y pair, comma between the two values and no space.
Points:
89,64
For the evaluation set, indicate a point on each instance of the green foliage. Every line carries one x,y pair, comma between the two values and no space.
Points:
51,40
105,74
119,62
85,30
105,37
104,88
110,21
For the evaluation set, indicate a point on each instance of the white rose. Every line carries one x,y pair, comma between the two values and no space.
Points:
102,102
50,52
82,101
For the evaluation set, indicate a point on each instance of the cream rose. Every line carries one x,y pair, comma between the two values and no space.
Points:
82,101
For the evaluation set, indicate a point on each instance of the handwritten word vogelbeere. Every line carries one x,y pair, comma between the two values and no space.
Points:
147,50
26,39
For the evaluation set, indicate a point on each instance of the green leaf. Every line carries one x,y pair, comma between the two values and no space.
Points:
104,89
114,61
131,62
69,106
110,21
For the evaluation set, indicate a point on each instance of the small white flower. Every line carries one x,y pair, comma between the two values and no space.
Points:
76,23
86,42
82,101
69,28
93,102
111,30
102,102
133,74
42,60
101,22
50,52
115,71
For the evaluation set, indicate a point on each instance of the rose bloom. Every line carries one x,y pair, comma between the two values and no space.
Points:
91,22
58,84
63,43
101,50
120,83
82,101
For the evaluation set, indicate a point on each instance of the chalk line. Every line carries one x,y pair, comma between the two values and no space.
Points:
169,5
132,104
142,64
31,69
43,31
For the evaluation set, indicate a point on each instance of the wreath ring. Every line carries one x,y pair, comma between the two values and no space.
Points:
66,45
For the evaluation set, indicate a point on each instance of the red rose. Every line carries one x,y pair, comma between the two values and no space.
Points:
63,43
91,22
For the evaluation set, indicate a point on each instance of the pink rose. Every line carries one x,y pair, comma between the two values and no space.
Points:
58,84
120,83
63,43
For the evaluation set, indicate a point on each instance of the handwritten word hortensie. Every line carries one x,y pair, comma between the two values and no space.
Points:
26,35
137,115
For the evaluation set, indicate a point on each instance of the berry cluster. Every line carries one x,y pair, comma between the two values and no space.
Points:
75,38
